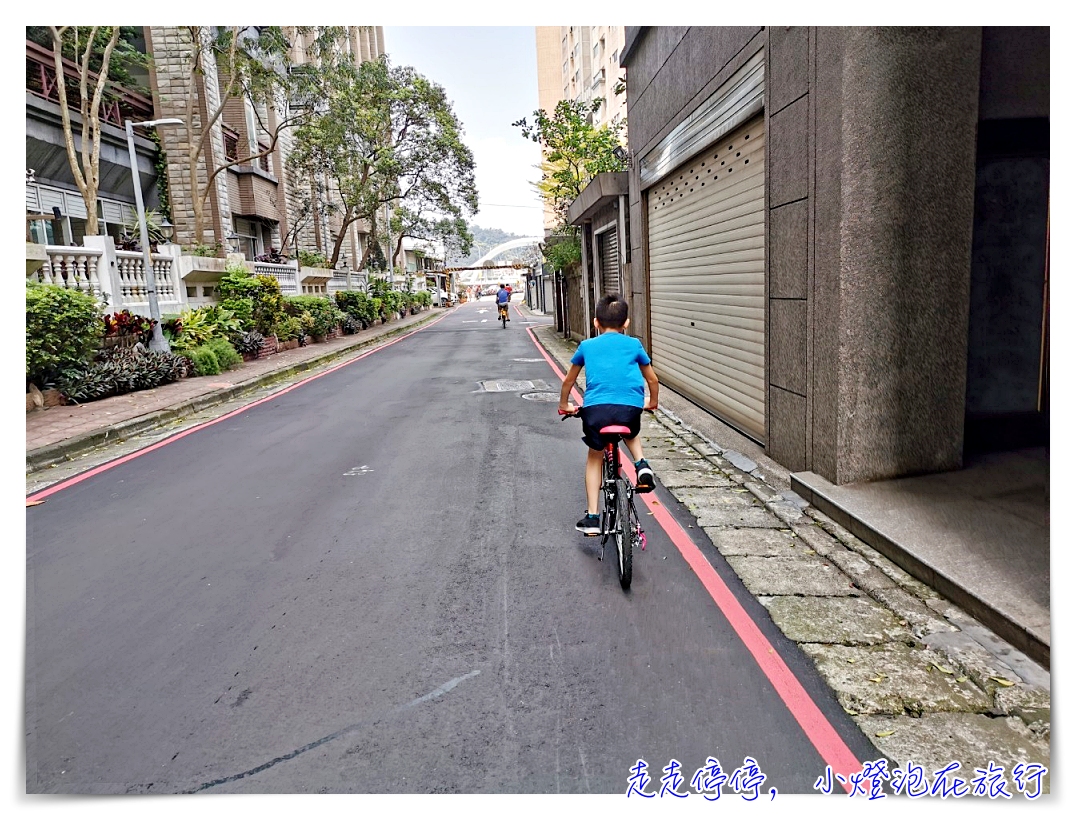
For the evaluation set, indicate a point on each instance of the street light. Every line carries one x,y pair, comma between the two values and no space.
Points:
157,340
167,230
232,239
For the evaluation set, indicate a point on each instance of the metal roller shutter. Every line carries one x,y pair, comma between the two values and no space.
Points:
610,262
707,278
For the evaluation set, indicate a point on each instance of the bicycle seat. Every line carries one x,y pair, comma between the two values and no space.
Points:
615,430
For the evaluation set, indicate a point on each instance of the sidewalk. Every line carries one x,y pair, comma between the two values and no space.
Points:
58,433
925,682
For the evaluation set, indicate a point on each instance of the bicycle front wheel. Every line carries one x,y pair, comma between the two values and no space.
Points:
624,531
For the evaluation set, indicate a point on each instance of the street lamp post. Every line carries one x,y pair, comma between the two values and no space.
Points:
157,340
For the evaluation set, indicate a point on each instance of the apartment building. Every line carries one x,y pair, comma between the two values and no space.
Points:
580,63
253,206
262,204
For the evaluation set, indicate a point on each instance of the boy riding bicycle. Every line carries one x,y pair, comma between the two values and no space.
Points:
617,367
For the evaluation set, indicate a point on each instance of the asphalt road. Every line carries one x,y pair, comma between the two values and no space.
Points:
372,583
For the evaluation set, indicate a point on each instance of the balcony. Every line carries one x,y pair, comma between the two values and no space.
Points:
117,105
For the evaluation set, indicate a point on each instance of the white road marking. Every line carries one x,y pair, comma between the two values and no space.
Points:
363,470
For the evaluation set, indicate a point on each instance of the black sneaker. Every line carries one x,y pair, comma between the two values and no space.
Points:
644,477
589,525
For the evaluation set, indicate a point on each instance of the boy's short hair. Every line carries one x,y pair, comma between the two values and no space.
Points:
612,311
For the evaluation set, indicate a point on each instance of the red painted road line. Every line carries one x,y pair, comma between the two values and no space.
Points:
55,488
818,729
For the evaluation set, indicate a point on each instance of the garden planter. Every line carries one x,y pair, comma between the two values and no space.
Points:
112,342
269,347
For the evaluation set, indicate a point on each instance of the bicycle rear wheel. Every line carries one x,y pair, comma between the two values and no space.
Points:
624,531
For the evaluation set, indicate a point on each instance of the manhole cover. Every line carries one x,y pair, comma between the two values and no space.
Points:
514,385
542,396
506,386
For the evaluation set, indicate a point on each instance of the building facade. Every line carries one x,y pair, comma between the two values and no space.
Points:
840,236
580,63
262,204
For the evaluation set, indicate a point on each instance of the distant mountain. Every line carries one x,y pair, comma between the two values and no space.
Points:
485,239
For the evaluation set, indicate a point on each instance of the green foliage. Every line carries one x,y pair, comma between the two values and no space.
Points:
358,306
160,167
63,330
262,290
313,259
574,151
248,343
227,356
288,328
200,249
243,309
424,298
123,371
196,327
388,135
564,253
205,361
324,315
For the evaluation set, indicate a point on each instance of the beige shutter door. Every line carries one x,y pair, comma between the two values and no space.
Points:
610,262
707,278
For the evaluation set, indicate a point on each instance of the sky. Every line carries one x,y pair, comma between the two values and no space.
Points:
491,77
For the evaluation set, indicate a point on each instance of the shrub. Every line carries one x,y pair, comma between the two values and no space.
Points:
288,328
349,324
324,315
313,259
358,306
264,292
205,361
243,308
195,327
123,371
125,323
424,299
227,357
63,330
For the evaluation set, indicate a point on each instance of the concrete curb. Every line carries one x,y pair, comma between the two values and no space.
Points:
52,454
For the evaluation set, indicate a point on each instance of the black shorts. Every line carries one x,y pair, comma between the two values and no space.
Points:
597,416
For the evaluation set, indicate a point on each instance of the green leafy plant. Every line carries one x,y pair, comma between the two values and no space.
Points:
424,299
205,361
123,371
263,291
324,315
288,328
248,343
227,356
358,306
63,329
313,259
200,249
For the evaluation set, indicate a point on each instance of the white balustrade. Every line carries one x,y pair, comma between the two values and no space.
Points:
286,275
72,267
130,271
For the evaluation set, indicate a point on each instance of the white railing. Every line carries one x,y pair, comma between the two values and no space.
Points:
339,281
131,278
71,267
286,275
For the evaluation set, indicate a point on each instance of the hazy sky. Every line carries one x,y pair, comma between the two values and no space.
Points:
491,77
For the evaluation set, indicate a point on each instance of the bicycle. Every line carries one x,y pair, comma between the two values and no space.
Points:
619,518
502,314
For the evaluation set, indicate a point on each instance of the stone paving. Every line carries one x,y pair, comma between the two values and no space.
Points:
925,682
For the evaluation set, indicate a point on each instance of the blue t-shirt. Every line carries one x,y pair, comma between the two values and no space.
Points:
612,362
503,296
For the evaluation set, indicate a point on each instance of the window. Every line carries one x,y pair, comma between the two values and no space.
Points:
564,69
597,51
250,243
614,59
575,79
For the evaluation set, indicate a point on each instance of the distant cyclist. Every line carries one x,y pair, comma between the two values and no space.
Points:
504,296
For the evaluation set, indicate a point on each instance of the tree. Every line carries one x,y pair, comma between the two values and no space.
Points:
388,136
254,63
102,56
574,153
